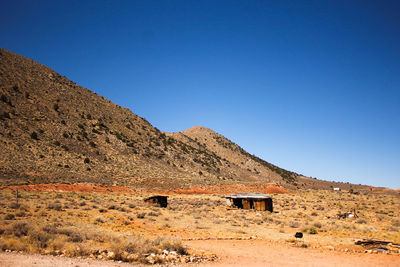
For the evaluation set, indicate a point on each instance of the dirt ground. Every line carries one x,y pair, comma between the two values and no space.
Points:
265,253
95,218
231,253
92,188
15,259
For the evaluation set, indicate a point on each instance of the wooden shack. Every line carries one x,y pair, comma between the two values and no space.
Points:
160,201
249,201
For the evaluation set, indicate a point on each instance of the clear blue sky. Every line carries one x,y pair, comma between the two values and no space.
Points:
312,86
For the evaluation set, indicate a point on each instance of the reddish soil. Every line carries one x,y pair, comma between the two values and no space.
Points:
15,259
230,253
229,188
265,253
210,189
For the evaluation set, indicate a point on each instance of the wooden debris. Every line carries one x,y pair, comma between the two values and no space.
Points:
366,242
376,245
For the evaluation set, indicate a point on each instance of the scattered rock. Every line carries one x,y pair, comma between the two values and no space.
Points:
110,255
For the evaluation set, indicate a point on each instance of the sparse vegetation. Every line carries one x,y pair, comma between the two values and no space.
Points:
51,222
34,136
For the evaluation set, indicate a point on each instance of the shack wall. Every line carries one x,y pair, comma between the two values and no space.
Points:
246,204
269,205
259,204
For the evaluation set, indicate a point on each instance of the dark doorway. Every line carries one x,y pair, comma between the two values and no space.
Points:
238,203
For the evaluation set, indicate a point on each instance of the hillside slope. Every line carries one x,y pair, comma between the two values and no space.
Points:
53,130
241,161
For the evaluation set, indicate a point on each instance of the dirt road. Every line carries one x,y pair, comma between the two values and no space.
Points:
264,253
231,253
13,259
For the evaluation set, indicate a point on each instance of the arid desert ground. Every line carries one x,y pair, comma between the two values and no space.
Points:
115,224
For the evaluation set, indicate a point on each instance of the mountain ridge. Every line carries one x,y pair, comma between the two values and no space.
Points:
53,130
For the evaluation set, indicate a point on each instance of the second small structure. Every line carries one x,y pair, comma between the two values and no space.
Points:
161,201
249,201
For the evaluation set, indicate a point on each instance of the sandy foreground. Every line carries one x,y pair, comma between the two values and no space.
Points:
231,253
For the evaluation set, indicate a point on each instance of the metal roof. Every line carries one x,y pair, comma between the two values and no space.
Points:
248,195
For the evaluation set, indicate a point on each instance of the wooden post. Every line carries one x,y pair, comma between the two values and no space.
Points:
16,196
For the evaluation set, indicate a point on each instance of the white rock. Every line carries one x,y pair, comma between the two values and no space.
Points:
110,255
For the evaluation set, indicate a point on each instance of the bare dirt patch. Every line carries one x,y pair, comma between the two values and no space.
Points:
265,253
231,253
12,259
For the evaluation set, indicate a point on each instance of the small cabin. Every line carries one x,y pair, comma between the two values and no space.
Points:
161,201
336,189
249,201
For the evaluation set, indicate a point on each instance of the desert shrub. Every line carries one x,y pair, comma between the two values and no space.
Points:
4,98
92,144
132,206
56,244
102,210
5,115
34,136
86,160
13,244
14,205
318,225
99,219
40,237
20,228
312,231
294,224
9,216
141,215
78,250
20,214
74,235
55,206
396,223
174,245
154,214
50,228
361,221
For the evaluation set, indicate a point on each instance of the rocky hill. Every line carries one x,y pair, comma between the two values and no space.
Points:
53,130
